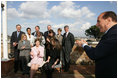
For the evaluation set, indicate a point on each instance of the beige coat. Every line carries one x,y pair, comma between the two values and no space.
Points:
26,51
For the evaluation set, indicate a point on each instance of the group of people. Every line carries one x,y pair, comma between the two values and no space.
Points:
38,47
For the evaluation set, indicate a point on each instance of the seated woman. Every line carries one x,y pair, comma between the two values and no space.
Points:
24,47
53,58
37,54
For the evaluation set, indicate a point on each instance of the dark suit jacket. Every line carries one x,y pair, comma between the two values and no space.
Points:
105,54
67,44
14,37
35,32
46,34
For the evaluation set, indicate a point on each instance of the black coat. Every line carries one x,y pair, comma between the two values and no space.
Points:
46,34
105,54
36,35
67,44
14,37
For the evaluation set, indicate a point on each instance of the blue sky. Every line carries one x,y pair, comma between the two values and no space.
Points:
79,15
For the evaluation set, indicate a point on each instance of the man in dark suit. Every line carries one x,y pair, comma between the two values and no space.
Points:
15,38
37,29
67,44
105,53
47,32
47,35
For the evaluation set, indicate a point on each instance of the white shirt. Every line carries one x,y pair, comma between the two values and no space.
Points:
67,34
31,39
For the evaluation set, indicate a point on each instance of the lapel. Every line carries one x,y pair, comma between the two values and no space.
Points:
64,35
16,34
47,33
105,36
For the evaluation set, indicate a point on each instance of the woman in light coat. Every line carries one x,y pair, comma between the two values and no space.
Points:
37,54
24,47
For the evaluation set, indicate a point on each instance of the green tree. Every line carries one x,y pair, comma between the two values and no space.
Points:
93,31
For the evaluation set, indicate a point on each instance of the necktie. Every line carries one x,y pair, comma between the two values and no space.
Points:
18,34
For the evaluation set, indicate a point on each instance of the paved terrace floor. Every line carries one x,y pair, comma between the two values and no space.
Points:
75,71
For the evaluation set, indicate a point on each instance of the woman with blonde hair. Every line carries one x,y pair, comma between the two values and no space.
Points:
59,35
24,47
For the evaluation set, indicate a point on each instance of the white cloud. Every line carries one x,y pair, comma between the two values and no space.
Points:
45,22
77,28
68,10
38,9
81,31
35,9
29,10
56,26
85,26
12,15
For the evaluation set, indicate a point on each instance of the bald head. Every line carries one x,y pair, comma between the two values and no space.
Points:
49,27
106,20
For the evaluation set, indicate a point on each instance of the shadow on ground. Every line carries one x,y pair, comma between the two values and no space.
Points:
75,71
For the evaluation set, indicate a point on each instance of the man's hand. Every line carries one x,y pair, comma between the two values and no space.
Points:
80,43
23,47
14,44
48,39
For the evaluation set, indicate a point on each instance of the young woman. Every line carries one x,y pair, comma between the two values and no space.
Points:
30,37
37,54
47,44
59,35
53,58
24,47
41,38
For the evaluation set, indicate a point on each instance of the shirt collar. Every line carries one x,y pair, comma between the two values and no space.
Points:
67,32
18,32
107,30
